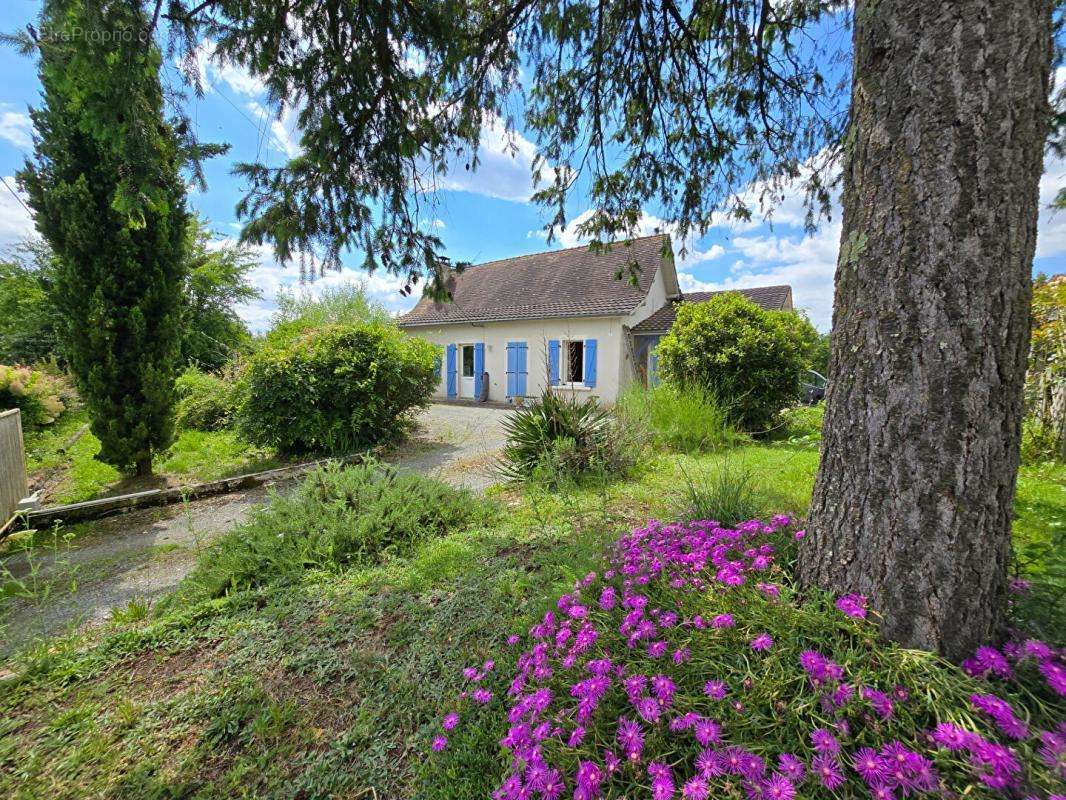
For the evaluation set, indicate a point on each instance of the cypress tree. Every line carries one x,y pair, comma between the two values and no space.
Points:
106,192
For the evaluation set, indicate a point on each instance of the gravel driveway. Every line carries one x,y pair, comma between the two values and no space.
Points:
140,556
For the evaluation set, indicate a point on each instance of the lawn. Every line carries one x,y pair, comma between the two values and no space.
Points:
70,473
330,685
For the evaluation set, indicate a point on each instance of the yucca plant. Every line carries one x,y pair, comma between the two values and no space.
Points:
559,428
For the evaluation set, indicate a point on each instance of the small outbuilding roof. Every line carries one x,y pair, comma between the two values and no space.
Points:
575,282
772,298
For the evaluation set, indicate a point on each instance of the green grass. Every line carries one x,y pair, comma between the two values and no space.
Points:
331,684
75,474
198,456
321,687
687,420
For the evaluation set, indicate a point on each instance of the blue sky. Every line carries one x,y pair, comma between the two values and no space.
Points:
480,216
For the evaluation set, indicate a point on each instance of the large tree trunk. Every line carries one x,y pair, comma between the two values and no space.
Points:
912,505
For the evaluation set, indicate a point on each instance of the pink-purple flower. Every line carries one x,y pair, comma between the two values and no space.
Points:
762,642
852,605
1001,713
589,657
827,770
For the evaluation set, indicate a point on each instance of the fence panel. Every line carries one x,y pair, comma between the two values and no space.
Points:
12,464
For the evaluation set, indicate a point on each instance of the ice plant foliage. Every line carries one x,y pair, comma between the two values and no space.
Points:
686,670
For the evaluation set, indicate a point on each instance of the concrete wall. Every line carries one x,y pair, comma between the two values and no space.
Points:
614,358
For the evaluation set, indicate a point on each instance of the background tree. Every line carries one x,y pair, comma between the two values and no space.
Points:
216,280
29,320
1045,382
711,108
106,195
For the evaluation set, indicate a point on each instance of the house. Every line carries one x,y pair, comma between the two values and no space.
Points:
561,318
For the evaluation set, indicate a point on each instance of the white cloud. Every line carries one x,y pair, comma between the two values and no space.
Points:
1051,231
270,277
765,256
215,71
569,236
284,130
505,168
16,128
505,158
16,223
806,263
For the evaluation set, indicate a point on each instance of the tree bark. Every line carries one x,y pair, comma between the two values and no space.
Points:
143,467
913,501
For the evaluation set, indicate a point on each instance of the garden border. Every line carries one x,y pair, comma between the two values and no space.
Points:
120,504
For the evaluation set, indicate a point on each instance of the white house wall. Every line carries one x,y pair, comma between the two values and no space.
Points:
656,298
607,331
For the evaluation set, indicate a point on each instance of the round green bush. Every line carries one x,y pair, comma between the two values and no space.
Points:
336,389
206,402
749,358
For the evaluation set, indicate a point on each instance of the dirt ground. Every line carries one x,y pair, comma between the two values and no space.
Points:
137,557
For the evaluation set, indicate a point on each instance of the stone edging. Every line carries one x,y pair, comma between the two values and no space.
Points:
121,504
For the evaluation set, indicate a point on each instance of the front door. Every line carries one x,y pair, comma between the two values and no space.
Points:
466,370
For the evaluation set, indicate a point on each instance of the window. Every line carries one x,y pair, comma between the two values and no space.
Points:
574,360
468,361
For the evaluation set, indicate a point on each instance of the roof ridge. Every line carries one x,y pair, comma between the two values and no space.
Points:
625,242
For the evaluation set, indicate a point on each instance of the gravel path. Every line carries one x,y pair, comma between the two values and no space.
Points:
137,557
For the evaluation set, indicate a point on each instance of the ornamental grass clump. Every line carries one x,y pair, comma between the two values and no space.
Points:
688,668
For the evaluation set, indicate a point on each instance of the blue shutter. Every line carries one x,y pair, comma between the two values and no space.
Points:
590,362
553,362
520,369
512,383
453,377
479,368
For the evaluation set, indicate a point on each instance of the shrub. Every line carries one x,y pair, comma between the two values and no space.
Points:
336,389
347,304
336,518
814,346
689,420
802,425
35,393
748,357
1040,442
687,665
558,437
206,401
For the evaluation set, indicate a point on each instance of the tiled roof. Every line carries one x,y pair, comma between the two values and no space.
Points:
559,283
772,298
